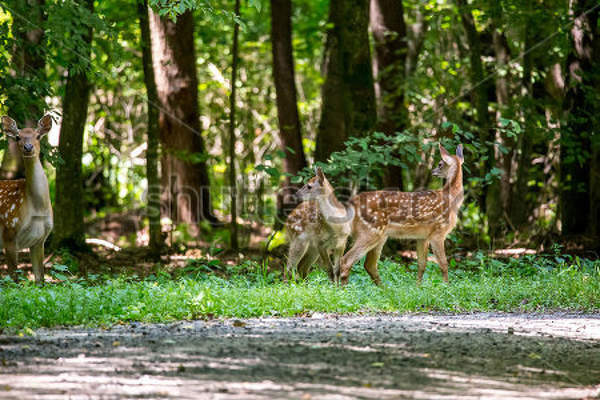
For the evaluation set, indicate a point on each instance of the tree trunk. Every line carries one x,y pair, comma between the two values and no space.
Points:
232,175
391,49
580,146
416,38
520,207
491,196
348,95
185,178
29,63
156,241
69,230
502,53
290,130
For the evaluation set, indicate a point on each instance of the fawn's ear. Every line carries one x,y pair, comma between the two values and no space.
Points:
459,153
44,126
10,127
445,155
320,175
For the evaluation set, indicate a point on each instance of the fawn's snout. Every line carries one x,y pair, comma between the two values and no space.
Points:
28,148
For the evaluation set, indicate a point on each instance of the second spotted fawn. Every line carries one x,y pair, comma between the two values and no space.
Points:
318,227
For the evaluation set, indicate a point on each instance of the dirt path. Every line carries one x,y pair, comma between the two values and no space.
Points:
475,356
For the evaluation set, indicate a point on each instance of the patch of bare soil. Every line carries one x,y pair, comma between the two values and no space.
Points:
492,356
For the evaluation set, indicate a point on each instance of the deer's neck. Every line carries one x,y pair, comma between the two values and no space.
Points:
36,184
330,207
454,186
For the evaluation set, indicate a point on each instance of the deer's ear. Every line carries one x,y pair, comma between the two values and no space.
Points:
10,127
445,155
459,153
320,175
44,125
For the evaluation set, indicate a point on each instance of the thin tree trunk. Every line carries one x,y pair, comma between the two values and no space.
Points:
491,195
29,64
156,241
580,178
391,49
416,39
348,95
290,130
520,207
185,178
232,175
69,230
502,54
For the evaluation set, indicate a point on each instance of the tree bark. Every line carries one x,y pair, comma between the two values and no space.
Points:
290,131
232,175
520,207
490,200
185,179
502,81
580,146
416,38
348,95
389,68
156,241
69,230
29,63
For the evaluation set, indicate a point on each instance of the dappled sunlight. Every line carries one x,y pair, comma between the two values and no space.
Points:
383,357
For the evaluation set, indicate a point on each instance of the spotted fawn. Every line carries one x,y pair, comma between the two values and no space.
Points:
427,216
25,208
318,227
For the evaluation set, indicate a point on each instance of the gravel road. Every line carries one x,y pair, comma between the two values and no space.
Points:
422,356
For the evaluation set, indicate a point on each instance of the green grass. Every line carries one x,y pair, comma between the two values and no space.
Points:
477,284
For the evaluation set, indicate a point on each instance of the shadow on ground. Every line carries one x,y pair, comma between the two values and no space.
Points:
324,357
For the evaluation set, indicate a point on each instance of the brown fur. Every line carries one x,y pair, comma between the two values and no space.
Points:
317,228
25,208
426,216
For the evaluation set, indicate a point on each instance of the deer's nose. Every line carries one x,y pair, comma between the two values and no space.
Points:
28,147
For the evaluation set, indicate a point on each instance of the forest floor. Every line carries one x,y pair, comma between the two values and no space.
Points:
320,356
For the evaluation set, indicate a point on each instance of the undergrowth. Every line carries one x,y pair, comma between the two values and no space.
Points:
478,283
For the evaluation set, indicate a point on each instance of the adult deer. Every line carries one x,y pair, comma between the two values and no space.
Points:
25,208
427,216
317,227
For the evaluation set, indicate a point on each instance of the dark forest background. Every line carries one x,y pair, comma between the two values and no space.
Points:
160,107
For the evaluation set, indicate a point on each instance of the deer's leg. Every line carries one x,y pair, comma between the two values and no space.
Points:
371,262
422,245
362,245
10,250
437,246
338,252
298,248
307,262
37,262
326,259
